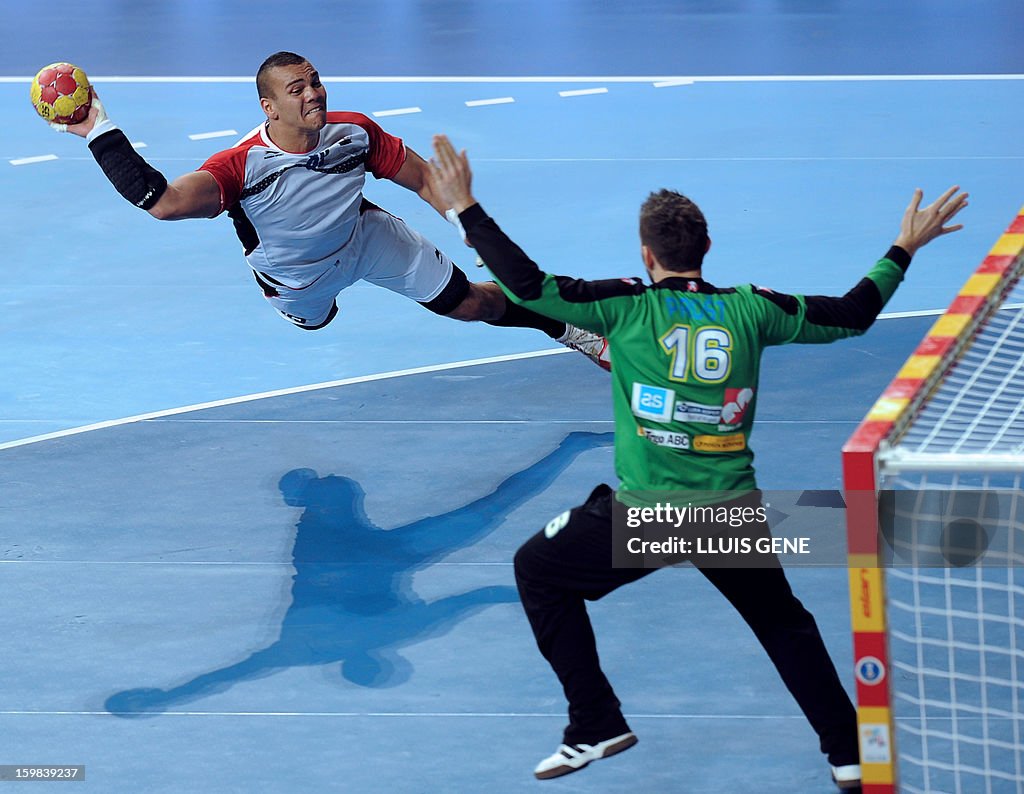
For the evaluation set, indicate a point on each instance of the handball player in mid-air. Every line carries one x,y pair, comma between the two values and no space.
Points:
294,189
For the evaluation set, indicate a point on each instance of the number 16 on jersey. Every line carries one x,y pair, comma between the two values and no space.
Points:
706,353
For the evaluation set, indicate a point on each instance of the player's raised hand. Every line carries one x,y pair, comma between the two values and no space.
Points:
920,226
97,115
450,174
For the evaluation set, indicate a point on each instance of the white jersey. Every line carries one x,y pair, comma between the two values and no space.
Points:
294,213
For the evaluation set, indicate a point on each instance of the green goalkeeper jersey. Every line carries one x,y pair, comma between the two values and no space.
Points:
686,357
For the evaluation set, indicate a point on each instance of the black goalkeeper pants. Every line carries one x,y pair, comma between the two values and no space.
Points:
558,569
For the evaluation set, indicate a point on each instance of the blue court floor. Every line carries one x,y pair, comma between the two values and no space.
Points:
296,572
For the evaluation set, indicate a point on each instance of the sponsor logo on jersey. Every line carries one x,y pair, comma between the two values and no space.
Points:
731,443
695,412
653,402
665,438
735,407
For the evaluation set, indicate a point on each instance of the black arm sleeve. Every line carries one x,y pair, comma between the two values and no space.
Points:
859,307
506,260
128,172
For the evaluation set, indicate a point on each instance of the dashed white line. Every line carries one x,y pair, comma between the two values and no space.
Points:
583,92
138,145
502,100
202,136
29,160
396,112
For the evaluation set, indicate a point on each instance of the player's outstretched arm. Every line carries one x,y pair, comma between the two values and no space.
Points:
195,195
920,226
826,319
415,175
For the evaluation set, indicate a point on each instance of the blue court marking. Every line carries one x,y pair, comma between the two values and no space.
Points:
803,184
300,573
163,554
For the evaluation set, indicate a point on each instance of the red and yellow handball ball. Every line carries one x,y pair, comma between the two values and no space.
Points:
60,93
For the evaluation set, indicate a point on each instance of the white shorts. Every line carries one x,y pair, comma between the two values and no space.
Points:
384,251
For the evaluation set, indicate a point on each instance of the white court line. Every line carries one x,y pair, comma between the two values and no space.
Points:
240,563
281,393
408,714
670,83
583,92
396,112
935,312
478,103
329,385
779,159
202,136
138,145
819,78
776,159
425,421
397,421
29,160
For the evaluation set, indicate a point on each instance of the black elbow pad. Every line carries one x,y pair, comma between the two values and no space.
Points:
128,172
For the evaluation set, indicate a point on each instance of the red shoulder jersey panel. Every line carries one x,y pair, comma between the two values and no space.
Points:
294,212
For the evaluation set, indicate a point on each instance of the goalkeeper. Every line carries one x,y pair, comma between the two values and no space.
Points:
293,187
686,356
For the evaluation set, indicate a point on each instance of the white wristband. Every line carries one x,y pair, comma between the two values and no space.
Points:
103,123
453,219
100,128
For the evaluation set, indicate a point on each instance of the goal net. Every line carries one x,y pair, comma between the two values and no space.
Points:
934,483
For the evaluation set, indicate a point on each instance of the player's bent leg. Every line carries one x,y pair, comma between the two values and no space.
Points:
556,571
485,302
398,258
790,635
479,303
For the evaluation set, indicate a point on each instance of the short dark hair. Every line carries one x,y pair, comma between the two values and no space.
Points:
277,59
674,229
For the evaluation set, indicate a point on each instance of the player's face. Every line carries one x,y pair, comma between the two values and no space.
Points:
297,97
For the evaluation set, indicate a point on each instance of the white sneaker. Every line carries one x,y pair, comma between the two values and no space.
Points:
846,777
589,344
573,757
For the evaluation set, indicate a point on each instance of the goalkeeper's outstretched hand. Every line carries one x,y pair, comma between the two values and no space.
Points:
920,226
451,175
